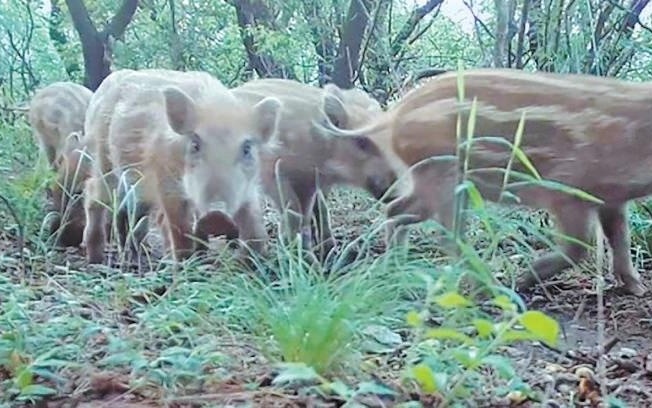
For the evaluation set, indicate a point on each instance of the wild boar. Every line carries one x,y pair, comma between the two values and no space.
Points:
56,116
306,160
585,132
178,142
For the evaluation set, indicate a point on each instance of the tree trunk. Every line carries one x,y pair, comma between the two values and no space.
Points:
252,13
97,45
347,62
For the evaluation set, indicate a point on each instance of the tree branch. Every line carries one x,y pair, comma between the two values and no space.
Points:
121,19
80,18
408,28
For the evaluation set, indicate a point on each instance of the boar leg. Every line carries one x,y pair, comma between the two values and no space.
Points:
161,223
288,203
96,203
321,228
51,155
251,225
574,220
138,219
130,212
178,227
615,226
71,228
431,196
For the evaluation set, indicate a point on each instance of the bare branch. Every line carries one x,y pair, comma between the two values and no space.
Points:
521,34
408,28
80,18
121,19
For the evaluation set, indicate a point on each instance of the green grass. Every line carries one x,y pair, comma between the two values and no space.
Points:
171,332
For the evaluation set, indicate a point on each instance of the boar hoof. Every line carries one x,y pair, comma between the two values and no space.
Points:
636,288
525,282
94,253
94,257
70,236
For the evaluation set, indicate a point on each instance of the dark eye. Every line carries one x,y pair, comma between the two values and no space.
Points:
195,143
363,143
247,148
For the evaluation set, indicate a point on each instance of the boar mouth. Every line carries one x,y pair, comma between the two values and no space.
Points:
216,223
378,192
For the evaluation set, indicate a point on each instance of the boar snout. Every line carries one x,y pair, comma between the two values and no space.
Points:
216,223
71,234
378,186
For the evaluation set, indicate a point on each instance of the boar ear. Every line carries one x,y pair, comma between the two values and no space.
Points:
71,142
334,110
267,114
181,110
332,89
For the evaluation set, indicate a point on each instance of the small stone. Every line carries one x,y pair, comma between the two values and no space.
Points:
584,372
626,352
564,388
648,364
555,368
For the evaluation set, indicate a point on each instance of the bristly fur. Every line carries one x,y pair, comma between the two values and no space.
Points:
308,158
588,133
193,146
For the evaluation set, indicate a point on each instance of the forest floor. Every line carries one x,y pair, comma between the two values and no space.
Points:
244,375
213,335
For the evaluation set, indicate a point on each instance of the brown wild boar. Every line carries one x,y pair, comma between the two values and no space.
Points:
585,132
178,142
56,115
307,159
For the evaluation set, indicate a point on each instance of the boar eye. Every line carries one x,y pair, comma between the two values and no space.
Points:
247,149
362,143
195,143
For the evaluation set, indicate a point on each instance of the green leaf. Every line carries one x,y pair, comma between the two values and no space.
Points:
615,402
513,336
295,372
37,389
448,334
452,300
501,364
339,388
504,303
474,195
375,388
541,325
413,318
483,326
24,378
425,377
465,358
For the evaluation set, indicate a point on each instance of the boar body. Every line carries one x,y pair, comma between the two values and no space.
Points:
589,133
305,160
180,143
56,116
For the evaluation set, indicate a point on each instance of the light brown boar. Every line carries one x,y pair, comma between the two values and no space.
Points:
306,160
178,142
56,116
585,132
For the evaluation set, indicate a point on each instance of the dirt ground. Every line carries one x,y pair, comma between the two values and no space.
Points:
571,375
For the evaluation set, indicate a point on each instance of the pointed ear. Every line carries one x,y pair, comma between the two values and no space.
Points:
267,114
181,110
70,145
72,141
334,90
334,109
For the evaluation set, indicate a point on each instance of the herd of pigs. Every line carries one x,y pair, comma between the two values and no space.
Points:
198,157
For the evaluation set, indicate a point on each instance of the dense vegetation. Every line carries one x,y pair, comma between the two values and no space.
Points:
389,328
